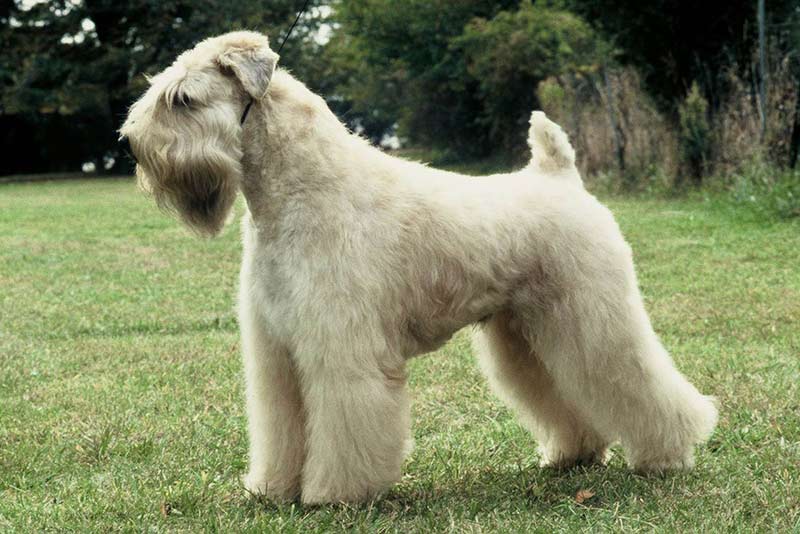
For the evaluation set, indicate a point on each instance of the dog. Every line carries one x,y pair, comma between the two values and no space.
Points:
355,261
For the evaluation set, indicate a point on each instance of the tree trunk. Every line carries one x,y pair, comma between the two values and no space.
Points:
794,146
619,135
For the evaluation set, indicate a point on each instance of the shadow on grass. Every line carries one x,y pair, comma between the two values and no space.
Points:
529,490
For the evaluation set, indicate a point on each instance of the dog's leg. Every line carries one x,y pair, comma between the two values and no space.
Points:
357,426
605,358
518,377
274,410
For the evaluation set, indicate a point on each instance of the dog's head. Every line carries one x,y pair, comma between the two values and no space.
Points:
185,130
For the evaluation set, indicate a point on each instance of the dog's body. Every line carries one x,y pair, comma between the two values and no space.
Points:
355,261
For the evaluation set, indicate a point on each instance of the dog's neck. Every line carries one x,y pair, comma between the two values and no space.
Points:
290,139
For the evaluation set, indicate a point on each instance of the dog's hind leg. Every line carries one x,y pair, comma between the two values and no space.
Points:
274,410
518,377
357,423
600,350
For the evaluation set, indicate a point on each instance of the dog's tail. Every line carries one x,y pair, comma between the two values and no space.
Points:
551,151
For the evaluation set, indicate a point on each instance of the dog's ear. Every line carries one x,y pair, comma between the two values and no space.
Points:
253,67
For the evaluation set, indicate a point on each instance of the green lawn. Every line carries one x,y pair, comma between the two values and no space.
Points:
121,397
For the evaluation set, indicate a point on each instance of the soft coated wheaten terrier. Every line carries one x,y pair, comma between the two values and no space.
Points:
355,261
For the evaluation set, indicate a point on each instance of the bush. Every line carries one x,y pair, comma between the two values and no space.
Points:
770,191
737,124
580,103
510,54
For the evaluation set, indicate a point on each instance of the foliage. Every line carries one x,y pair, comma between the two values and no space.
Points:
610,120
70,69
396,65
783,195
674,44
510,54
772,192
458,75
695,133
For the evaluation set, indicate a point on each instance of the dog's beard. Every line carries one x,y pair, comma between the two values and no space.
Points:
194,176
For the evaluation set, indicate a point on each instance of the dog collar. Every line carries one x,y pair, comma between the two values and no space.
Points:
246,111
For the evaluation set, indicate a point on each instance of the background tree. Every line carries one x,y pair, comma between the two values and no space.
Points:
673,44
458,75
396,64
509,55
70,68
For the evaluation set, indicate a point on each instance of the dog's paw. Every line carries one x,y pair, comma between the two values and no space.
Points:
275,490
584,459
312,497
659,466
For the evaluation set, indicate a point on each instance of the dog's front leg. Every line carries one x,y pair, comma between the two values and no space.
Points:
357,425
274,410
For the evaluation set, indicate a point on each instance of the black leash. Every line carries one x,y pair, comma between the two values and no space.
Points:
285,38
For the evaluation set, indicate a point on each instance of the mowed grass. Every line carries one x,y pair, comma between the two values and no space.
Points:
121,404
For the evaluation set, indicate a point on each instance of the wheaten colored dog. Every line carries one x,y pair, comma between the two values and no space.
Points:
355,261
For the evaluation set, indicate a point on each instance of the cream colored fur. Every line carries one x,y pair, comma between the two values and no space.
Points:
355,261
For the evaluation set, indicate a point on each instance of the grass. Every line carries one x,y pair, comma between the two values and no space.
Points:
121,397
